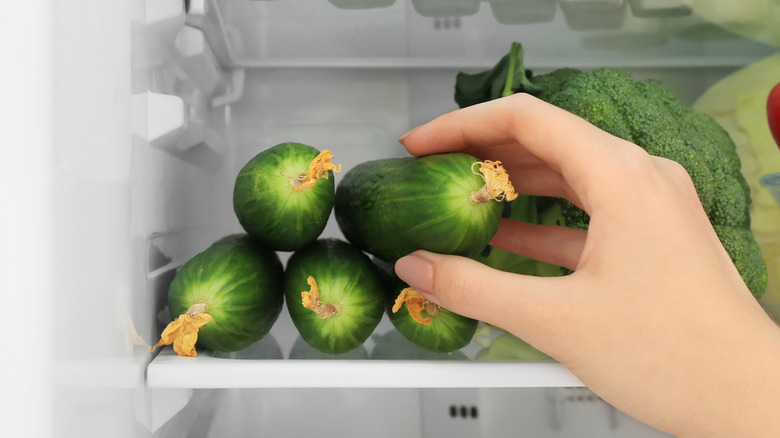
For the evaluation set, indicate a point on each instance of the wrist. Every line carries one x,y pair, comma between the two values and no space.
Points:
739,391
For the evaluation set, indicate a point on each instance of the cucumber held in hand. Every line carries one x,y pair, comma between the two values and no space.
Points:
284,195
334,295
445,203
421,321
226,297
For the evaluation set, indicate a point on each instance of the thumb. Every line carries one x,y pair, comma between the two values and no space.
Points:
523,305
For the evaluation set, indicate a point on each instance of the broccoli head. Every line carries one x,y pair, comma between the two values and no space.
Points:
649,114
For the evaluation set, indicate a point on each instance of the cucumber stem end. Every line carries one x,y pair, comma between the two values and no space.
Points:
311,300
182,332
497,185
415,304
318,168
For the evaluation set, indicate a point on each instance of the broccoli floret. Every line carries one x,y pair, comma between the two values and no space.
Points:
649,114
740,244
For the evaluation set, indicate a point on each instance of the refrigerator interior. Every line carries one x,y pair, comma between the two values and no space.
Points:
175,96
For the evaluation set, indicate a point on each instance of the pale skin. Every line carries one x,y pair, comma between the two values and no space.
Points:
655,318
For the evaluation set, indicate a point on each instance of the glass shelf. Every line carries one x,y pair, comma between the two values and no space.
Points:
386,360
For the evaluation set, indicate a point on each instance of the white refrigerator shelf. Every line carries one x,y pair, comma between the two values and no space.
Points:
169,370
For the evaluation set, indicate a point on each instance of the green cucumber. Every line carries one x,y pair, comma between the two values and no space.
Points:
392,345
266,348
509,347
302,350
350,302
267,204
240,283
447,331
392,207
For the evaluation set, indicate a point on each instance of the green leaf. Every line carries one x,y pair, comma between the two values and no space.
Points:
507,77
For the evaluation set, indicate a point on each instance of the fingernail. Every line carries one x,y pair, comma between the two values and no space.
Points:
402,140
417,271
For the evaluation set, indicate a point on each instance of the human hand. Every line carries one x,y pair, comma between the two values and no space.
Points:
655,318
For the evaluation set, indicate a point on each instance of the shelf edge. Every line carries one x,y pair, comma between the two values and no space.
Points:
168,371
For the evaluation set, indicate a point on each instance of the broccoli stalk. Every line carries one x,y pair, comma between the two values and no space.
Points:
650,115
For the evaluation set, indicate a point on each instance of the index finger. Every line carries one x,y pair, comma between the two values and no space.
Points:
580,152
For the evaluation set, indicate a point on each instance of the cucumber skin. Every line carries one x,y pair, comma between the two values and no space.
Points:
448,331
345,276
241,283
392,207
270,210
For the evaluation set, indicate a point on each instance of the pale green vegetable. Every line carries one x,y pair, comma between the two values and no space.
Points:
738,103
754,19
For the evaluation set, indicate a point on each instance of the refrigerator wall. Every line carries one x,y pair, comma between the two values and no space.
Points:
156,106
25,234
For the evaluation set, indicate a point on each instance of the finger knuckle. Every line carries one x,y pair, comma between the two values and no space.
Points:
675,171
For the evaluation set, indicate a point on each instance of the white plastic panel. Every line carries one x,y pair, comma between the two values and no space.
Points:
661,8
198,58
327,412
26,284
594,14
435,33
553,413
97,301
393,412
158,11
514,12
164,121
